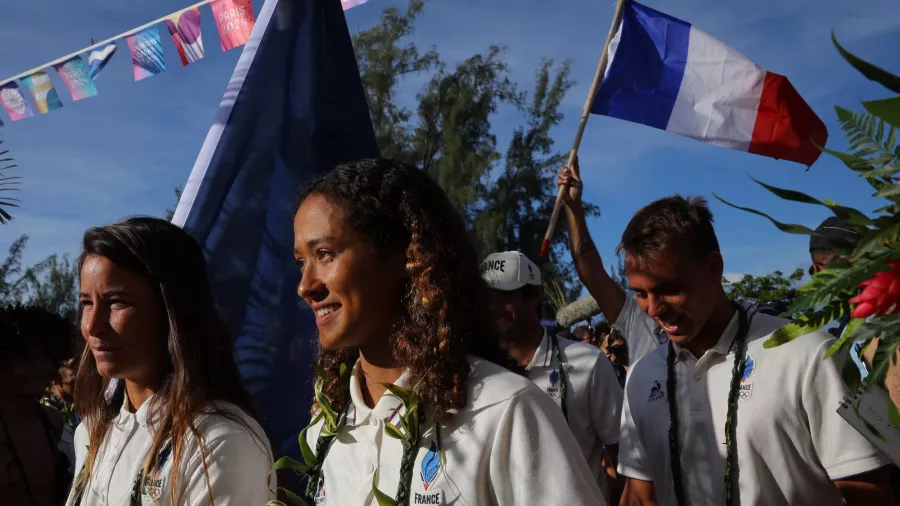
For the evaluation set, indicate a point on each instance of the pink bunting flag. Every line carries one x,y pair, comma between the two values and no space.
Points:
234,19
14,102
77,76
185,30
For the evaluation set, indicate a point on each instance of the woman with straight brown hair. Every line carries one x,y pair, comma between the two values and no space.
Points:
177,428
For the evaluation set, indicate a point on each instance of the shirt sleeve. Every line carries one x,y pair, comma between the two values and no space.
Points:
842,450
238,464
633,461
605,401
534,457
638,329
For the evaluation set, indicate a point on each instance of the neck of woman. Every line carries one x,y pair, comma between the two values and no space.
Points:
138,391
710,334
378,367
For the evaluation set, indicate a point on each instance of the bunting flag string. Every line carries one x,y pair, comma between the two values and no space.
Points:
42,92
234,21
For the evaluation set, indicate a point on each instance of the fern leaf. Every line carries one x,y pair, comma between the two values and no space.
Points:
890,192
885,171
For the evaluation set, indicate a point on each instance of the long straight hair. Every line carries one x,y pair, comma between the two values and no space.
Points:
200,368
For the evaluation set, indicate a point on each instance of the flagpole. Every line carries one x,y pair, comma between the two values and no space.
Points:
598,78
103,43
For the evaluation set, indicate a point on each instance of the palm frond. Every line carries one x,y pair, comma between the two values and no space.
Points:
9,184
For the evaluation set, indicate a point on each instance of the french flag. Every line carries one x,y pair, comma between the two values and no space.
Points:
667,74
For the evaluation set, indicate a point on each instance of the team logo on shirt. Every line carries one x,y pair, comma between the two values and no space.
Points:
746,387
662,336
554,390
431,467
656,392
320,490
153,488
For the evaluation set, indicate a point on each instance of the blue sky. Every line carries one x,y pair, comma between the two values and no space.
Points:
122,152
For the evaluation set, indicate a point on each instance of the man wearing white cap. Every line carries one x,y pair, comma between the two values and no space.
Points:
576,375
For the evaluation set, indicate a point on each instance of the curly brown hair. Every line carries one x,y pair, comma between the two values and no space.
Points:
446,314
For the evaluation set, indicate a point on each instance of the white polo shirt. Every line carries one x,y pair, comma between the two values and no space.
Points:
509,445
639,330
791,443
238,462
593,396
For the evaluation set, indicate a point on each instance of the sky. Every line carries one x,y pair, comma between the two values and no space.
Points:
122,152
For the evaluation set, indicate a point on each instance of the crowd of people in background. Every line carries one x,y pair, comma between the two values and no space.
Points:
437,381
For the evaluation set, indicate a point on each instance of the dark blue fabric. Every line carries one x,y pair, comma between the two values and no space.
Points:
301,111
647,70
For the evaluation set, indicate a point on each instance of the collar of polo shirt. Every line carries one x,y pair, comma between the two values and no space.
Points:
388,407
542,356
141,416
722,346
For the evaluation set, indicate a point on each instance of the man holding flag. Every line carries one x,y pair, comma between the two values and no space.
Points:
713,417
735,420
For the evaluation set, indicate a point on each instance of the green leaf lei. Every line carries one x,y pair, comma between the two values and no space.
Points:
333,422
731,468
563,376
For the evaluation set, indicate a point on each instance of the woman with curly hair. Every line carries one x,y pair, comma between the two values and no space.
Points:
178,427
415,404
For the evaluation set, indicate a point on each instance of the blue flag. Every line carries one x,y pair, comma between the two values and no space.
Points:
293,110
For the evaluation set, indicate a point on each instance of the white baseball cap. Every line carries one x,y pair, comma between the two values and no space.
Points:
510,270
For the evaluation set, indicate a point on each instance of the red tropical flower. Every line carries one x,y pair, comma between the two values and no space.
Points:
879,294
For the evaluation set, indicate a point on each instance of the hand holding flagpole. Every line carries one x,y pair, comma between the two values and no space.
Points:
598,79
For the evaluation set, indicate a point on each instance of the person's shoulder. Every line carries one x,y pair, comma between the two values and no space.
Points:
648,370
578,350
492,384
763,326
227,422
82,436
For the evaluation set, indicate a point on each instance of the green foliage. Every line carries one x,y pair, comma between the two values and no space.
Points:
774,287
51,283
170,212
7,184
873,154
505,198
